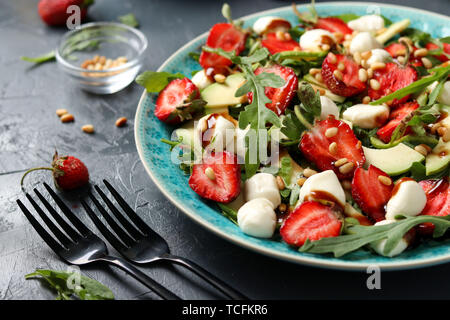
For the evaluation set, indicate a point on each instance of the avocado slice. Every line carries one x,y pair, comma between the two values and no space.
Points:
438,159
393,161
186,132
221,95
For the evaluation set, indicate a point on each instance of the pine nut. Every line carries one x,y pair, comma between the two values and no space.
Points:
420,53
364,64
362,75
385,180
332,58
220,78
347,185
441,130
358,144
346,43
86,63
340,162
341,66
401,59
314,71
348,37
107,64
122,59
210,173
67,118
378,66
280,35
121,122
287,36
282,207
88,128
357,57
102,60
435,127
318,77
366,55
420,149
98,66
301,181
331,132
325,47
309,172
338,36
333,148
444,133
346,168
61,112
370,73
374,84
338,75
427,63
280,183
366,100
95,59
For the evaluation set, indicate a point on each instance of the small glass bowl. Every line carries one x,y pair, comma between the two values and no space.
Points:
91,41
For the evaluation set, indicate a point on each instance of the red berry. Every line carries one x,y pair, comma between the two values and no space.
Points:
396,116
333,24
370,193
173,103
54,12
315,146
392,78
274,45
350,84
226,183
438,202
311,220
227,37
443,58
281,97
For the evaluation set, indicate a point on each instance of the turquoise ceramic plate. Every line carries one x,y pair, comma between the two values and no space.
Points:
174,184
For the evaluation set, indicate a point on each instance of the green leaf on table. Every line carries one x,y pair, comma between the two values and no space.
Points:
130,20
156,81
41,59
68,284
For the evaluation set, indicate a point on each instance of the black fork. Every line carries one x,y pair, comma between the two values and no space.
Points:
139,243
80,246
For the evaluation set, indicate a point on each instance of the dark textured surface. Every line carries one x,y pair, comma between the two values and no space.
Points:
30,131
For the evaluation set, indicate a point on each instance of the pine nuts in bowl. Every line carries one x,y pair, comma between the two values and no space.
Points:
102,57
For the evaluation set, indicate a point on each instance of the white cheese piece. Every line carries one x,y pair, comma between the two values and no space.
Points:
369,23
270,23
362,42
444,96
366,116
311,40
221,135
409,199
201,80
379,245
328,107
325,182
263,185
379,55
257,218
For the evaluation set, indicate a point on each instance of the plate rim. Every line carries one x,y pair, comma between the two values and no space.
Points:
303,260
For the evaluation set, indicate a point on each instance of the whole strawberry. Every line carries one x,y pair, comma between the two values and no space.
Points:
68,172
54,12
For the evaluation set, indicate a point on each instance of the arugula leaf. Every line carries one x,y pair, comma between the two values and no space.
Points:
418,171
129,19
285,170
194,55
347,17
308,18
358,236
310,102
86,289
365,135
445,40
295,192
41,59
228,212
156,81
419,37
292,127
171,143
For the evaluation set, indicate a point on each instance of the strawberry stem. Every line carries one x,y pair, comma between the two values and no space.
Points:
33,169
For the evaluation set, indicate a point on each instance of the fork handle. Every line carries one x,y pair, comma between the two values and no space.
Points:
206,275
141,277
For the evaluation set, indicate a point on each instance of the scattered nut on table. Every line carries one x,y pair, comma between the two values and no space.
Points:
61,112
121,122
67,118
88,128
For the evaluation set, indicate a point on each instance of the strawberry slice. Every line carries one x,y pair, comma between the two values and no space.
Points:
370,193
392,78
396,49
173,103
438,202
311,220
225,184
275,45
350,84
396,116
431,46
227,37
281,97
315,146
333,24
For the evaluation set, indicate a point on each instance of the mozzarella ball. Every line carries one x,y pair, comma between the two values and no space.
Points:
263,185
408,199
257,218
270,23
369,23
367,116
362,42
379,55
311,40
328,107
379,245
444,96
323,183
217,130
201,80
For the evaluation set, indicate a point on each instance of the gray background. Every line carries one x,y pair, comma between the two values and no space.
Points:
30,131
